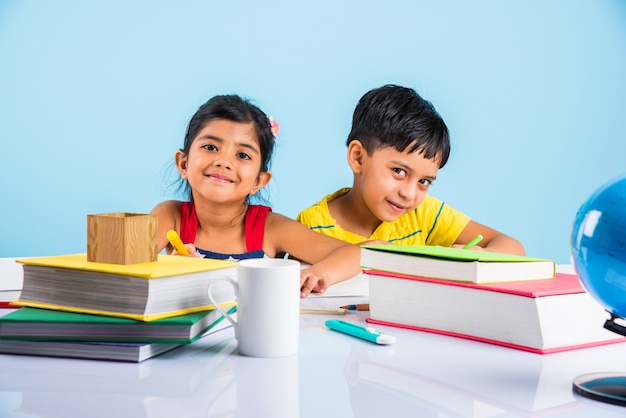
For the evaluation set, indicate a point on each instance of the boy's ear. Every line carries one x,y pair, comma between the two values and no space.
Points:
356,155
180,159
261,181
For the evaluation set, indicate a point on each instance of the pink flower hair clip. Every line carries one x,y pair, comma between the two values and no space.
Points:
274,127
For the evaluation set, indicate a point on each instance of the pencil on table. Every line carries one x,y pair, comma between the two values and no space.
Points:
357,307
334,311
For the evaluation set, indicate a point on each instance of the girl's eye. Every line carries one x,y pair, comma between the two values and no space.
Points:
399,171
243,156
209,147
425,182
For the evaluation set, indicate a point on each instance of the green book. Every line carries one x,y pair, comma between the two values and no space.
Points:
49,325
455,263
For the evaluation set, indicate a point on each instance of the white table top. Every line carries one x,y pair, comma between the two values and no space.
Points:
333,375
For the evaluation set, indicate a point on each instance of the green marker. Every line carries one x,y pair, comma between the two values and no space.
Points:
473,242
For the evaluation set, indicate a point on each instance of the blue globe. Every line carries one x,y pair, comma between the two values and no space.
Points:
599,245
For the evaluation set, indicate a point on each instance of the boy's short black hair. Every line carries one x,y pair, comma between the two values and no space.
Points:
398,117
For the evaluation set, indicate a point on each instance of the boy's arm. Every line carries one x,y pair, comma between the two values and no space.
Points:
493,240
331,260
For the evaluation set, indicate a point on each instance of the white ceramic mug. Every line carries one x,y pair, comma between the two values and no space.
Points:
268,306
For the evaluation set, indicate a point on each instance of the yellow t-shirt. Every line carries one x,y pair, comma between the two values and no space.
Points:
431,223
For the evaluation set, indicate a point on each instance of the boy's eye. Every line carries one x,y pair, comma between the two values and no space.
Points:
209,147
399,171
243,156
425,182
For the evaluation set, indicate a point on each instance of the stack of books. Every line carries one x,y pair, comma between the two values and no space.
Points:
71,307
513,301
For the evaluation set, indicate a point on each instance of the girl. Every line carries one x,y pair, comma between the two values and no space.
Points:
224,162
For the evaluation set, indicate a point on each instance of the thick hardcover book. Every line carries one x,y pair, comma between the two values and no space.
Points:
170,286
540,316
455,263
49,325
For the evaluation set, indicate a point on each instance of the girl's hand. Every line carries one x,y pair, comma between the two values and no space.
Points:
192,251
312,281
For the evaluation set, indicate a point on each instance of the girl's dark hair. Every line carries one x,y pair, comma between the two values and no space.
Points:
398,117
235,109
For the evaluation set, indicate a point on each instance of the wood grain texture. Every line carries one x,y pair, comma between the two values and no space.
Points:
122,238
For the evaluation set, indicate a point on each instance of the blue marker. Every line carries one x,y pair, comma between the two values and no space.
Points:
358,331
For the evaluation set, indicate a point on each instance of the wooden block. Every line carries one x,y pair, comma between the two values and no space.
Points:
122,238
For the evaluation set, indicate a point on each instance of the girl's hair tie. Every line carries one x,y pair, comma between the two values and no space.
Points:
274,127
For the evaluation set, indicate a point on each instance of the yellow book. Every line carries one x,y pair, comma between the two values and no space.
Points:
166,265
170,286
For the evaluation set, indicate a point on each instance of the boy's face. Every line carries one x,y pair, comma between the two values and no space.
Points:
393,183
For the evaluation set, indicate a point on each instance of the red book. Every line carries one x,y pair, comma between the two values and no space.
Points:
540,316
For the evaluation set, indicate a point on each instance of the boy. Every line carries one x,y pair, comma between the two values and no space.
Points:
397,144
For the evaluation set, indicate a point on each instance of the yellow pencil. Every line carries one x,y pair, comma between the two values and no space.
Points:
174,239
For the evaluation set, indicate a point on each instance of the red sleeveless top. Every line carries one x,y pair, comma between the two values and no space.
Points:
254,229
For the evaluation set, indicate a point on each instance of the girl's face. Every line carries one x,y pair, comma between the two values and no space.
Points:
224,163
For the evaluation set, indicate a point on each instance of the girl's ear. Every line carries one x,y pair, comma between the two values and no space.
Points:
180,159
261,181
356,156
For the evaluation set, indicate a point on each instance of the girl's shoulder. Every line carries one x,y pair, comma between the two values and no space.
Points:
281,224
278,217
169,212
274,218
168,207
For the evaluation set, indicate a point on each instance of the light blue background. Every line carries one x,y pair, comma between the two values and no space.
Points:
95,97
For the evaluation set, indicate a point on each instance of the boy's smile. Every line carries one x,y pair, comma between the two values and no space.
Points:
397,208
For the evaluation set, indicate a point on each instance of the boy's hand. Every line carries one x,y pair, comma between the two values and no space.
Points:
311,281
474,247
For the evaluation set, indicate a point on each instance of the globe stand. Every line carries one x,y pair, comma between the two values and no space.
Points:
604,387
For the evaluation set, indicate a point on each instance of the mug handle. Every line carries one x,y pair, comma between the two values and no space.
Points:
218,307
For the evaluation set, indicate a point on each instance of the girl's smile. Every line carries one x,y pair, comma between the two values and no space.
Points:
219,178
